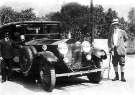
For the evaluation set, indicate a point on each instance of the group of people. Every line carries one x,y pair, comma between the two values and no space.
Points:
7,53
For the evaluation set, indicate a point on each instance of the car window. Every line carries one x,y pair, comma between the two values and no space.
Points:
42,28
33,30
37,31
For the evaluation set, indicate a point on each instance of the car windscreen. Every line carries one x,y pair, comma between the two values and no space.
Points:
41,28
36,31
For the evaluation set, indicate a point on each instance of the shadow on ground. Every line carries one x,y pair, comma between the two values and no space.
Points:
61,83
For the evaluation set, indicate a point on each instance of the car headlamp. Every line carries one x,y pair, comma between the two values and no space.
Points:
44,47
88,57
86,47
22,37
63,48
66,60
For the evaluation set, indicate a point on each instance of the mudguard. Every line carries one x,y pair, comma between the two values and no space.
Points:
49,56
34,51
99,53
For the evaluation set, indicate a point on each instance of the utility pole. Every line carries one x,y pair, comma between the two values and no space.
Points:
91,23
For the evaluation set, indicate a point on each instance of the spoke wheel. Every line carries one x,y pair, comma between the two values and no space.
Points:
95,77
47,77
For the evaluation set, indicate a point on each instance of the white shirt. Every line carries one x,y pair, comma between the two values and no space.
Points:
115,36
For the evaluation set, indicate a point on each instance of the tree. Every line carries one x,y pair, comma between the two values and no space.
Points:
73,16
27,14
124,24
131,16
109,16
76,19
99,21
7,14
131,25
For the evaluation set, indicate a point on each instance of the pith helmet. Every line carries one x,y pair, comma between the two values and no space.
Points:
115,22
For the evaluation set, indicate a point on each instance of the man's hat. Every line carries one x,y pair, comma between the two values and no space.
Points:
115,22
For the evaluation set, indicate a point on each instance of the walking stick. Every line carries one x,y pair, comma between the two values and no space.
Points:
109,65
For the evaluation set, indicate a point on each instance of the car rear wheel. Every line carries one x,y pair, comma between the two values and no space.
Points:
47,77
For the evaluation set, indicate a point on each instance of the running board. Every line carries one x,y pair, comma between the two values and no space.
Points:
79,73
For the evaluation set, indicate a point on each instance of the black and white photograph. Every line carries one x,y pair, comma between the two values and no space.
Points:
67,47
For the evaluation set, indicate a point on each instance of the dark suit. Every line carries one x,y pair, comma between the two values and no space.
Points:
6,51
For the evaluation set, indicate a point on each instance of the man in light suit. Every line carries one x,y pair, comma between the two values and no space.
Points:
116,44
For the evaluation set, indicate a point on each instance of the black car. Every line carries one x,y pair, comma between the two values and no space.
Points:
47,56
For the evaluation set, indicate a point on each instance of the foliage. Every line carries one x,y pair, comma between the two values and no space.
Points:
27,14
131,29
7,14
76,19
109,16
131,25
131,16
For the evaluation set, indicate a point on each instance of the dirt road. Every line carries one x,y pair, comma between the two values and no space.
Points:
77,86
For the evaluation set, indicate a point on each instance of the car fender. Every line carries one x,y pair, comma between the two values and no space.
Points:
99,53
49,56
34,51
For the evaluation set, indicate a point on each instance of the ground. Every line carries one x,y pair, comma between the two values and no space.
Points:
77,86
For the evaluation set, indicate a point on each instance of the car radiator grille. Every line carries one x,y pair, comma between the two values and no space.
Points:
75,57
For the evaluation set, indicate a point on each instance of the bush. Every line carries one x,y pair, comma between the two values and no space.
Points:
130,47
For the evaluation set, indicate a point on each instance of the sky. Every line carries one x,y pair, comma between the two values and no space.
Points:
42,7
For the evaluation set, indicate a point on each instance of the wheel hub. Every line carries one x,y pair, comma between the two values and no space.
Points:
41,74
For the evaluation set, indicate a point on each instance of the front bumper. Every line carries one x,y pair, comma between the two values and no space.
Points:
80,73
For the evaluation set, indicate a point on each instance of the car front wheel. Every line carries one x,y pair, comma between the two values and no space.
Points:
47,77
95,77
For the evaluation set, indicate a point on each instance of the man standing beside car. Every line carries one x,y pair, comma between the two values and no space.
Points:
116,44
7,56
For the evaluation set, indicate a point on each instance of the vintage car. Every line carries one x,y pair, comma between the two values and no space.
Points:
47,56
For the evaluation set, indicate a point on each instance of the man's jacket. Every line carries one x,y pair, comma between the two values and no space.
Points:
122,37
6,49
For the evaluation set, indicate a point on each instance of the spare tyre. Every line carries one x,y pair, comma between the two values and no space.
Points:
26,59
